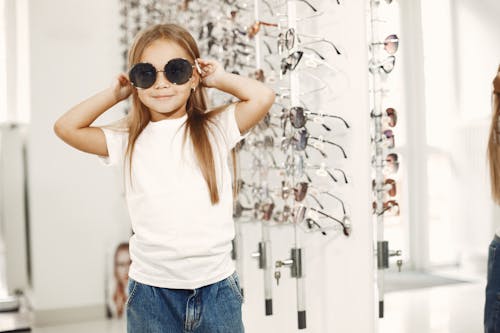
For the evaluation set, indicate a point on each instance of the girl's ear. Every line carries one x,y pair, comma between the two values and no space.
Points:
195,82
197,65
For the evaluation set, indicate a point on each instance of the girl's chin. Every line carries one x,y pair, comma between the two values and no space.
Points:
164,107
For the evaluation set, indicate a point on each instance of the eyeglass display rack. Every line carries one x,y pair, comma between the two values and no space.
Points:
378,76
226,35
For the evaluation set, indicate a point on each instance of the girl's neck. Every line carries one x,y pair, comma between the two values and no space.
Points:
157,116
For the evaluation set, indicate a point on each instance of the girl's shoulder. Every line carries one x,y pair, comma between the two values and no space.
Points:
224,116
119,126
220,110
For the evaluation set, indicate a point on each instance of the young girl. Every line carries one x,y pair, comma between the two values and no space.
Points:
177,180
492,303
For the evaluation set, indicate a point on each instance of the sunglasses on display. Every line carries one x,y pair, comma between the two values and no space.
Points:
390,117
391,44
346,226
292,60
386,65
299,116
255,28
283,216
287,41
311,224
389,186
295,165
300,140
177,71
302,137
239,209
387,139
299,192
263,211
390,207
290,63
323,172
390,164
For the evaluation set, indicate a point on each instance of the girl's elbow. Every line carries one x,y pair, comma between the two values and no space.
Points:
270,97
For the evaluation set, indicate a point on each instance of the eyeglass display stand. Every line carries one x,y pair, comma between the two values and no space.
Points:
381,246
295,260
381,250
263,253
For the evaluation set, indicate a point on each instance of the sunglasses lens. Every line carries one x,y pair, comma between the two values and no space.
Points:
299,214
393,117
297,117
143,75
290,38
284,66
300,193
391,44
388,65
178,71
295,58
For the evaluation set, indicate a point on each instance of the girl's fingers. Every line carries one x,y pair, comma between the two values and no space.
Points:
123,79
206,62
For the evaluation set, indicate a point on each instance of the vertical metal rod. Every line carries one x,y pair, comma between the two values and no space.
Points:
295,100
379,160
266,254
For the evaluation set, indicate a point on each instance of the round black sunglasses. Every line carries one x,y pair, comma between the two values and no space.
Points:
177,71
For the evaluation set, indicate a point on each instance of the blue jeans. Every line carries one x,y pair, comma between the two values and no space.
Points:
492,304
215,308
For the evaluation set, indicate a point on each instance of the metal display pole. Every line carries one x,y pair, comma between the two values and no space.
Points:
295,260
379,177
264,253
382,251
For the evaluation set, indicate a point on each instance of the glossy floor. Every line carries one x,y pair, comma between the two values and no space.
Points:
448,309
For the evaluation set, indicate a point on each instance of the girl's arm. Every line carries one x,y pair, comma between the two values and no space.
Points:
256,98
73,127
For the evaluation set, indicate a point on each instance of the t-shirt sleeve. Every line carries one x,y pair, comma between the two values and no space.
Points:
230,126
116,142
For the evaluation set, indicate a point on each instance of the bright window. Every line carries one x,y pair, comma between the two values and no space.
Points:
3,81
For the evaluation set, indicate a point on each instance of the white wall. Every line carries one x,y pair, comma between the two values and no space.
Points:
450,65
477,54
76,208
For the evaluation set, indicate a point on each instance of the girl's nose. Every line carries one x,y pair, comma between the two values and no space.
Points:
161,80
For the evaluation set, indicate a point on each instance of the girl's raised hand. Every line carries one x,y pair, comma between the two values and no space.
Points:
121,87
211,71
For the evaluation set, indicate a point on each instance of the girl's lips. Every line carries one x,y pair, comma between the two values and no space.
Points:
162,96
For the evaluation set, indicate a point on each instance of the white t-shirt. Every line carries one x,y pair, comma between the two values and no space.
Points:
180,240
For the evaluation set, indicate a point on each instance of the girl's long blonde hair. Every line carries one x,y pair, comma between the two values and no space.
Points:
197,122
494,140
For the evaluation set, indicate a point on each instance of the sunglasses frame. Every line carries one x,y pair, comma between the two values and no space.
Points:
135,67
